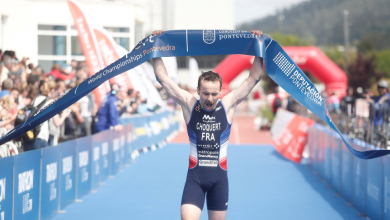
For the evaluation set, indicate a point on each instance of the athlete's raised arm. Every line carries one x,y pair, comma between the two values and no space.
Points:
180,96
236,96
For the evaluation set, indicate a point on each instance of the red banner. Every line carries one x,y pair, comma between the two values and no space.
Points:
89,47
107,48
292,140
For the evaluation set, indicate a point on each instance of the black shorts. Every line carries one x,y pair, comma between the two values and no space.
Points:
201,181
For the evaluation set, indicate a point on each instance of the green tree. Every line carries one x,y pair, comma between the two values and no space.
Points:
362,72
382,60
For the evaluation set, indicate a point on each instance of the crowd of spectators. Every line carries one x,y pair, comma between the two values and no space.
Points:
24,85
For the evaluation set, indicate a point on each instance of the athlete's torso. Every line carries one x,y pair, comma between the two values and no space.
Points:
208,132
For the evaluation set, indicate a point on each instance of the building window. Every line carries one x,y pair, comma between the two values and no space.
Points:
60,44
121,35
51,45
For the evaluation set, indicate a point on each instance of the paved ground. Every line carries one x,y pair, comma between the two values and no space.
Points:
263,185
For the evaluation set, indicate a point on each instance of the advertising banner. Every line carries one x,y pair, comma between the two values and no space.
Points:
105,153
129,142
84,168
346,172
97,140
115,152
50,181
292,140
326,142
26,185
122,141
336,162
89,47
67,173
359,176
374,187
6,184
386,188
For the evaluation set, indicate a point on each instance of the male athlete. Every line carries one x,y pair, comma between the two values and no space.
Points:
208,120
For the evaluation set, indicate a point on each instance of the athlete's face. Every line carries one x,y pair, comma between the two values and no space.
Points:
209,93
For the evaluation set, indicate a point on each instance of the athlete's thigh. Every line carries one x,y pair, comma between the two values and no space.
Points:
217,215
218,196
190,212
193,192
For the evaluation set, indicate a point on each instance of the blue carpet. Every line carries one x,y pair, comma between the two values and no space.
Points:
263,185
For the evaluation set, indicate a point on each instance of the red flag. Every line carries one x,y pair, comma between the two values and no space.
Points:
291,142
108,51
89,47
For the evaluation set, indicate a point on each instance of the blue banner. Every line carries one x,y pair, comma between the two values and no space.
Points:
336,162
386,189
359,176
50,182
67,173
374,187
96,159
84,168
346,172
115,152
327,142
26,182
105,153
6,184
129,142
279,66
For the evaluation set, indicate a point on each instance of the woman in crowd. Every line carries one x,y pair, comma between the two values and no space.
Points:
6,118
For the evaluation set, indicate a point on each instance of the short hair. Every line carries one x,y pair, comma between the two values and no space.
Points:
130,92
7,84
210,76
44,89
7,101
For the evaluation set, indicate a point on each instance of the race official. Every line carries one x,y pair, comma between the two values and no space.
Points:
108,115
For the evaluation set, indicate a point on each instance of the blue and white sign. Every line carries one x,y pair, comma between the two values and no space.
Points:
6,183
96,161
84,168
115,152
50,181
346,173
67,173
374,187
386,188
26,182
336,164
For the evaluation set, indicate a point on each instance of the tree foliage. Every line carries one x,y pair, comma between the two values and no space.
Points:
362,72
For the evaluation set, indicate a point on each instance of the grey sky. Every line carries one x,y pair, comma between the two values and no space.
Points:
248,10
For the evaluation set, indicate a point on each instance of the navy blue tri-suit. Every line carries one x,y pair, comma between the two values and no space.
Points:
208,132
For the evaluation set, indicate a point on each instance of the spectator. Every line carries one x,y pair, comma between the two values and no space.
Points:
6,87
86,114
347,104
276,103
23,99
57,120
108,115
333,103
6,118
42,138
384,95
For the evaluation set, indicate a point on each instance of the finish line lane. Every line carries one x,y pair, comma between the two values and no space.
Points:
263,185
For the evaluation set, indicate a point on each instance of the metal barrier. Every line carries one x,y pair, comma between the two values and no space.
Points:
37,184
364,184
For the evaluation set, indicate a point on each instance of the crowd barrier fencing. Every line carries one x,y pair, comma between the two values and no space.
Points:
38,184
365,184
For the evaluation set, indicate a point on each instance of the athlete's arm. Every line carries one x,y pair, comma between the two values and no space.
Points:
180,96
236,96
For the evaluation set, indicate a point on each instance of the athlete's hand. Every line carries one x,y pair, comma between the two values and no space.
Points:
257,32
157,32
